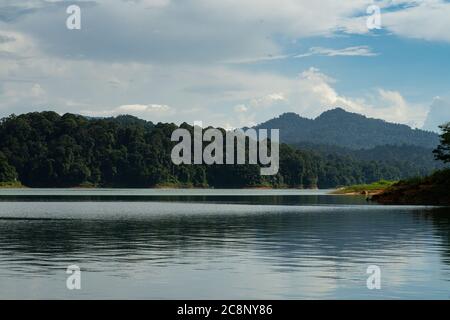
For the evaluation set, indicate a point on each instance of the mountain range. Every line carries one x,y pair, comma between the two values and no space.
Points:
338,127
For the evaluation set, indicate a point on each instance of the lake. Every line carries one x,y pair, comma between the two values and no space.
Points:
218,244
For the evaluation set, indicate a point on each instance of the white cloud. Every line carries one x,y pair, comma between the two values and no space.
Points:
268,100
160,29
207,92
259,108
354,51
426,19
15,45
317,94
173,31
362,51
194,92
168,52
141,110
151,3
392,106
37,91
268,57
241,108
439,114
313,93
15,93
419,19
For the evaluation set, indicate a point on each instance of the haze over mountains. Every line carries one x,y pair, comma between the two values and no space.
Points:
439,114
338,127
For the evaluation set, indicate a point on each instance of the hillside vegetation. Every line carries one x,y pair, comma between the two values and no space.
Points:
367,189
350,130
48,150
430,190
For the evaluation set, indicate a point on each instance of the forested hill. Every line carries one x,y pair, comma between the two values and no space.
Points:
48,150
413,160
351,130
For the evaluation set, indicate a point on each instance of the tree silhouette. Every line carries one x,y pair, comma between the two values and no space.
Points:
443,150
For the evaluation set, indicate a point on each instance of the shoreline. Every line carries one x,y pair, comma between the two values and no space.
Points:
167,187
367,190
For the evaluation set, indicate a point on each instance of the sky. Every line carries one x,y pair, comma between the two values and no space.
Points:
228,63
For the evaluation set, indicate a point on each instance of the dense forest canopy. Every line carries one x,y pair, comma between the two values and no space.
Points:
410,160
48,150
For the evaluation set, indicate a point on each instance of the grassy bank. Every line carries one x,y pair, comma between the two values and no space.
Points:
14,184
431,190
366,189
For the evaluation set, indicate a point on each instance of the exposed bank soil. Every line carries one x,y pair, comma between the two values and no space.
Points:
423,194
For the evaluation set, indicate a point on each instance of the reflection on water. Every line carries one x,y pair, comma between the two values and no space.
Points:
220,250
237,196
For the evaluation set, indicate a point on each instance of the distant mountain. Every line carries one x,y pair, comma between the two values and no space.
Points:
345,129
439,114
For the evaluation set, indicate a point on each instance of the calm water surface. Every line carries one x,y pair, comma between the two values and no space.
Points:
218,244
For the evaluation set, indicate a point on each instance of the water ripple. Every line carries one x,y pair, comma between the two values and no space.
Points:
201,250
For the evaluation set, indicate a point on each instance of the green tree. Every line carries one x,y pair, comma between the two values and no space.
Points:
443,150
7,172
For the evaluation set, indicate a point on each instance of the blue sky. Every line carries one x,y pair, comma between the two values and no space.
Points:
227,63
